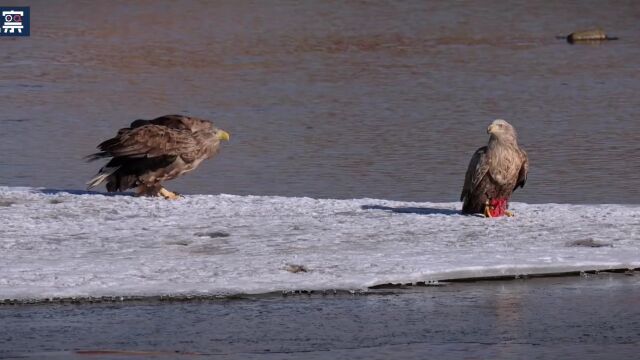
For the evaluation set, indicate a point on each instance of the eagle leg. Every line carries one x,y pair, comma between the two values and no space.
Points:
509,213
487,210
147,190
169,195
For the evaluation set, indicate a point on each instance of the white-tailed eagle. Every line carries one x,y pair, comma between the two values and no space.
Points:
494,172
149,152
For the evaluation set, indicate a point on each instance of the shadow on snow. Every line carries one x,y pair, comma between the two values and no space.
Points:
81,192
413,210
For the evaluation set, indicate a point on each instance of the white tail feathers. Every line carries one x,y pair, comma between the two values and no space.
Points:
102,175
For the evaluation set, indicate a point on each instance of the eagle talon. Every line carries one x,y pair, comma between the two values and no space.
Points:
487,211
169,195
509,213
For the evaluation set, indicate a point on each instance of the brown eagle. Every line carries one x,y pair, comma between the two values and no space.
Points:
494,172
151,151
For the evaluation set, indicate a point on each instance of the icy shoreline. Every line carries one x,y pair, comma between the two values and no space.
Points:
61,245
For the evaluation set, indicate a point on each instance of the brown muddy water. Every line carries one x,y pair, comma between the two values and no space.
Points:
332,99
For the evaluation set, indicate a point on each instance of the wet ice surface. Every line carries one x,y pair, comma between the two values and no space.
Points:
57,244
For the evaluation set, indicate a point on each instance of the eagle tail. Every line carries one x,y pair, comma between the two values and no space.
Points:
97,156
101,177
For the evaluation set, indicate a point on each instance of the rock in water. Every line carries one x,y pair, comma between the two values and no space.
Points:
588,36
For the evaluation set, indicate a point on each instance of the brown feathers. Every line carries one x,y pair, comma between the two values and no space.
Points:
150,141
151,151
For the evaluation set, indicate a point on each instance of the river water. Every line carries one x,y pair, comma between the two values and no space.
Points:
565,318
332,99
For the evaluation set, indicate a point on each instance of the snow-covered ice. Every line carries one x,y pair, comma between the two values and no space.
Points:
57,244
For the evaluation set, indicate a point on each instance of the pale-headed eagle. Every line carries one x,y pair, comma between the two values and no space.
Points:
494,172
151,151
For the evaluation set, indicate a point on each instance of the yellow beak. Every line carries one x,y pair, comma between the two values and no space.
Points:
223,135
490,129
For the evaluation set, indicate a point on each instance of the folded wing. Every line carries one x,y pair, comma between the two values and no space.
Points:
149,141
478,167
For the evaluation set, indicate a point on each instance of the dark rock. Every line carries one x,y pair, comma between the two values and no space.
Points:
293,268
213,234
589,243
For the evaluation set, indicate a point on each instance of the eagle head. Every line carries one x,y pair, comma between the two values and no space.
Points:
501,129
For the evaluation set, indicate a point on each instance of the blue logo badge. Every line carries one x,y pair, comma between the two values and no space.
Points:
15,21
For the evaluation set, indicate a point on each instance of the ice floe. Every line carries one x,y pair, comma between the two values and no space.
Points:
77,244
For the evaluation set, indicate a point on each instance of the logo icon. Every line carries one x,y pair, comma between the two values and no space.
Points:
15,21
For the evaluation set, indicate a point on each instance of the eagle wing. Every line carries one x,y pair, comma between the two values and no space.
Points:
478,167
150,141
524,170
168,121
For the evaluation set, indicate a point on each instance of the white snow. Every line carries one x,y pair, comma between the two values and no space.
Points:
57,244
